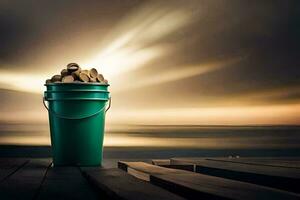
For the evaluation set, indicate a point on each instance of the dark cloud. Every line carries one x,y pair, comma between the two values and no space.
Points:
29,28
13,31
267,35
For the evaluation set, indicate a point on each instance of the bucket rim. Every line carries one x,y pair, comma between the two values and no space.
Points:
76,90
77,99
77,83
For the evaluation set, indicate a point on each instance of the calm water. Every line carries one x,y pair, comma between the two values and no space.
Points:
164,141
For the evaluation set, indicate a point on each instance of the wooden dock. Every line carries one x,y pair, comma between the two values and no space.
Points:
174,178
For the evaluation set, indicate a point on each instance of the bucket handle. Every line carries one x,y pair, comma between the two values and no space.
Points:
84,117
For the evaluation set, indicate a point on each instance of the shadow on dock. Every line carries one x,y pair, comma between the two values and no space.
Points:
149,152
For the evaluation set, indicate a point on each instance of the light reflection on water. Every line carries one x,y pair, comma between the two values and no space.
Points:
201,137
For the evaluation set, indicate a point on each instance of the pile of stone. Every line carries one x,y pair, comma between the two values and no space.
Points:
73,73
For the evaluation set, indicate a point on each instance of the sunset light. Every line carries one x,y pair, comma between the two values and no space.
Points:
149,99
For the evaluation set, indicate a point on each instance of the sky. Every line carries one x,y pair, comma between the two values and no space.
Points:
206,62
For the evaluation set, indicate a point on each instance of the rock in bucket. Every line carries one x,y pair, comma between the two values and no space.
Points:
74,74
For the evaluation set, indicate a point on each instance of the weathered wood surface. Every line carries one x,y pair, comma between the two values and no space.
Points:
143,170
273,162
161,161
166,163
36,179
196,186
66,183
292,173
183,167
272,176
26,181
116,184
9,166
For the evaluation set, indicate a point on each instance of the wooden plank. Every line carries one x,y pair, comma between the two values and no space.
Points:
243,167
166,163
143,170
8,166
25,183
272,176
273,162
66,183
161,162
190,168
195,186
116,184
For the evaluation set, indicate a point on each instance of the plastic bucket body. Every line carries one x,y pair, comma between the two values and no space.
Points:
77,118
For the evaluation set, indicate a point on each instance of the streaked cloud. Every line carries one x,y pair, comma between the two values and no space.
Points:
181,72
238,115
130,43
209,61
26,82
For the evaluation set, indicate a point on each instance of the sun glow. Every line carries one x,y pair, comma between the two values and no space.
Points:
130,44
22,81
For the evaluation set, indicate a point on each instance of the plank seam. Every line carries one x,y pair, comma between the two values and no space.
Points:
10,174
248,163
39,189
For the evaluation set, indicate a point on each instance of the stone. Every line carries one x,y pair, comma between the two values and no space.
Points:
64,72
86,72
68,79
93,79
84,77
76,74
100,78
56,78
93,73
72,67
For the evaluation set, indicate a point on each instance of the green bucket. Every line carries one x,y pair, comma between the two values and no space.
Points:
77,118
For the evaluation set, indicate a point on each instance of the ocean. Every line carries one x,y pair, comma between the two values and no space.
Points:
163,141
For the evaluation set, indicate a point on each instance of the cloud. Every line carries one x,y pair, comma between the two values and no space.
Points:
158,54
26,82
229,115
134,41
177,75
